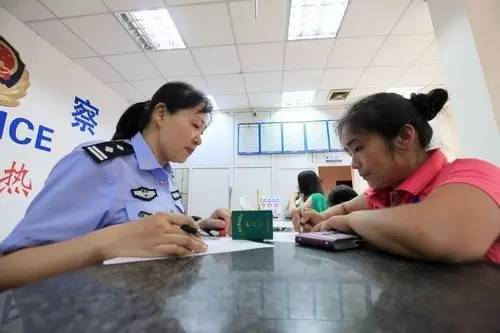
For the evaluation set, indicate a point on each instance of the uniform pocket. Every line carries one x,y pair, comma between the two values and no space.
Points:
140,209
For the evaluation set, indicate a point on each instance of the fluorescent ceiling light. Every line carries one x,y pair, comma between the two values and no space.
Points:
405,91
152,29
315,18
297,98
214,103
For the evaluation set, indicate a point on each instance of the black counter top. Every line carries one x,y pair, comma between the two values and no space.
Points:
287,288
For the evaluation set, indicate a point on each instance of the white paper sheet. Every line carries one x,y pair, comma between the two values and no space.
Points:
284,237
219,245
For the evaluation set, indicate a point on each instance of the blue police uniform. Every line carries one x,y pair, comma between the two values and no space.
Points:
93,187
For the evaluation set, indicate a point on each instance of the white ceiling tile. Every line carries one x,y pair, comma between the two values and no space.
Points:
26,10
417,75
430,56
340,78
263,81
103,33
126,90
416,19
196,81
302,80
203,25
321,98
57,34
134,66
371,18
359,93
262,100
261,57
307,54
185,2
100,69
226,84
63,8
174,62
217,60
119,5
402,50
236,101
381,77
270,25
354,52
134,100
439,79
148,87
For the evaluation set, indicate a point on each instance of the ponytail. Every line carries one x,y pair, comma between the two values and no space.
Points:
175,96
132,121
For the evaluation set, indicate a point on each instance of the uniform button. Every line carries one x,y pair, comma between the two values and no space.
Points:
162,182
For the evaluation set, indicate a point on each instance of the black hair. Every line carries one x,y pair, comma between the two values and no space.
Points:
308,183
340,194
175,96
387,113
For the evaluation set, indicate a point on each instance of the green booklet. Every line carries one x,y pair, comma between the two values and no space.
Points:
252,224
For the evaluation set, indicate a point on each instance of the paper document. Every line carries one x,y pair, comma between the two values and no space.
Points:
219,245
284,237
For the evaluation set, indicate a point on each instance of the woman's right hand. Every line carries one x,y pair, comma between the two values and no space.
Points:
304,219
156,235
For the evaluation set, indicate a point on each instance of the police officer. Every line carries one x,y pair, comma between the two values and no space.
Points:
80,216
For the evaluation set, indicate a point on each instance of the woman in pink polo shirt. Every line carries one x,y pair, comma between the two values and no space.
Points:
419,205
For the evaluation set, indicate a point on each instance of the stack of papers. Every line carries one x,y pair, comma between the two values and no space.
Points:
218,245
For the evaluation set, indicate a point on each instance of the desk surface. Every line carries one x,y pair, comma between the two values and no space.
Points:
287,288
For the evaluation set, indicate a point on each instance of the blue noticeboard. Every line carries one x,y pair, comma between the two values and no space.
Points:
288,137
248,139
294,139
271,138
333,138
317,136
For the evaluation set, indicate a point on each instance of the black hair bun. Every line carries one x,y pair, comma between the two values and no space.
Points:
428,105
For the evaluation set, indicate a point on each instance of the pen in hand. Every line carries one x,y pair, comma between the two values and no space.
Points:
190,230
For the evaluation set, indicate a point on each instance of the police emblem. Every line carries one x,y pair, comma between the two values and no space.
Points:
143,193
14,77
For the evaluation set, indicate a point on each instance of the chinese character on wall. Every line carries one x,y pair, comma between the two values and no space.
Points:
14,181
84,115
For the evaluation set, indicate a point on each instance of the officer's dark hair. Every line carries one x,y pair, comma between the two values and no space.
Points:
386,113
340,194
308,183
175,95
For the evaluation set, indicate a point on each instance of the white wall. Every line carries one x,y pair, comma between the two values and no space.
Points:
55,81
242,176
271,175
469,56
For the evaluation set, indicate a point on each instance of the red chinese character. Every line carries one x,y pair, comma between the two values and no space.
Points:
14,180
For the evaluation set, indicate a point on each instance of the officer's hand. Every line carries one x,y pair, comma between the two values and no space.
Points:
156,235
220,219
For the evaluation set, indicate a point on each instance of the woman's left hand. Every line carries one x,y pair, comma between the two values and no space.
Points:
337,222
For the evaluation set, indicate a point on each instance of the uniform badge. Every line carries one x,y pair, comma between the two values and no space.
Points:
143,214
105,151
14,77
143,193
176,195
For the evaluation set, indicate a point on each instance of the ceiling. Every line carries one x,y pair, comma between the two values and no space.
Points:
242,61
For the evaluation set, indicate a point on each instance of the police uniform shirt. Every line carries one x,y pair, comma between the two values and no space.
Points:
93,187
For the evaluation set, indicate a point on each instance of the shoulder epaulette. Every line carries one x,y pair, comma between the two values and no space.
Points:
105,151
